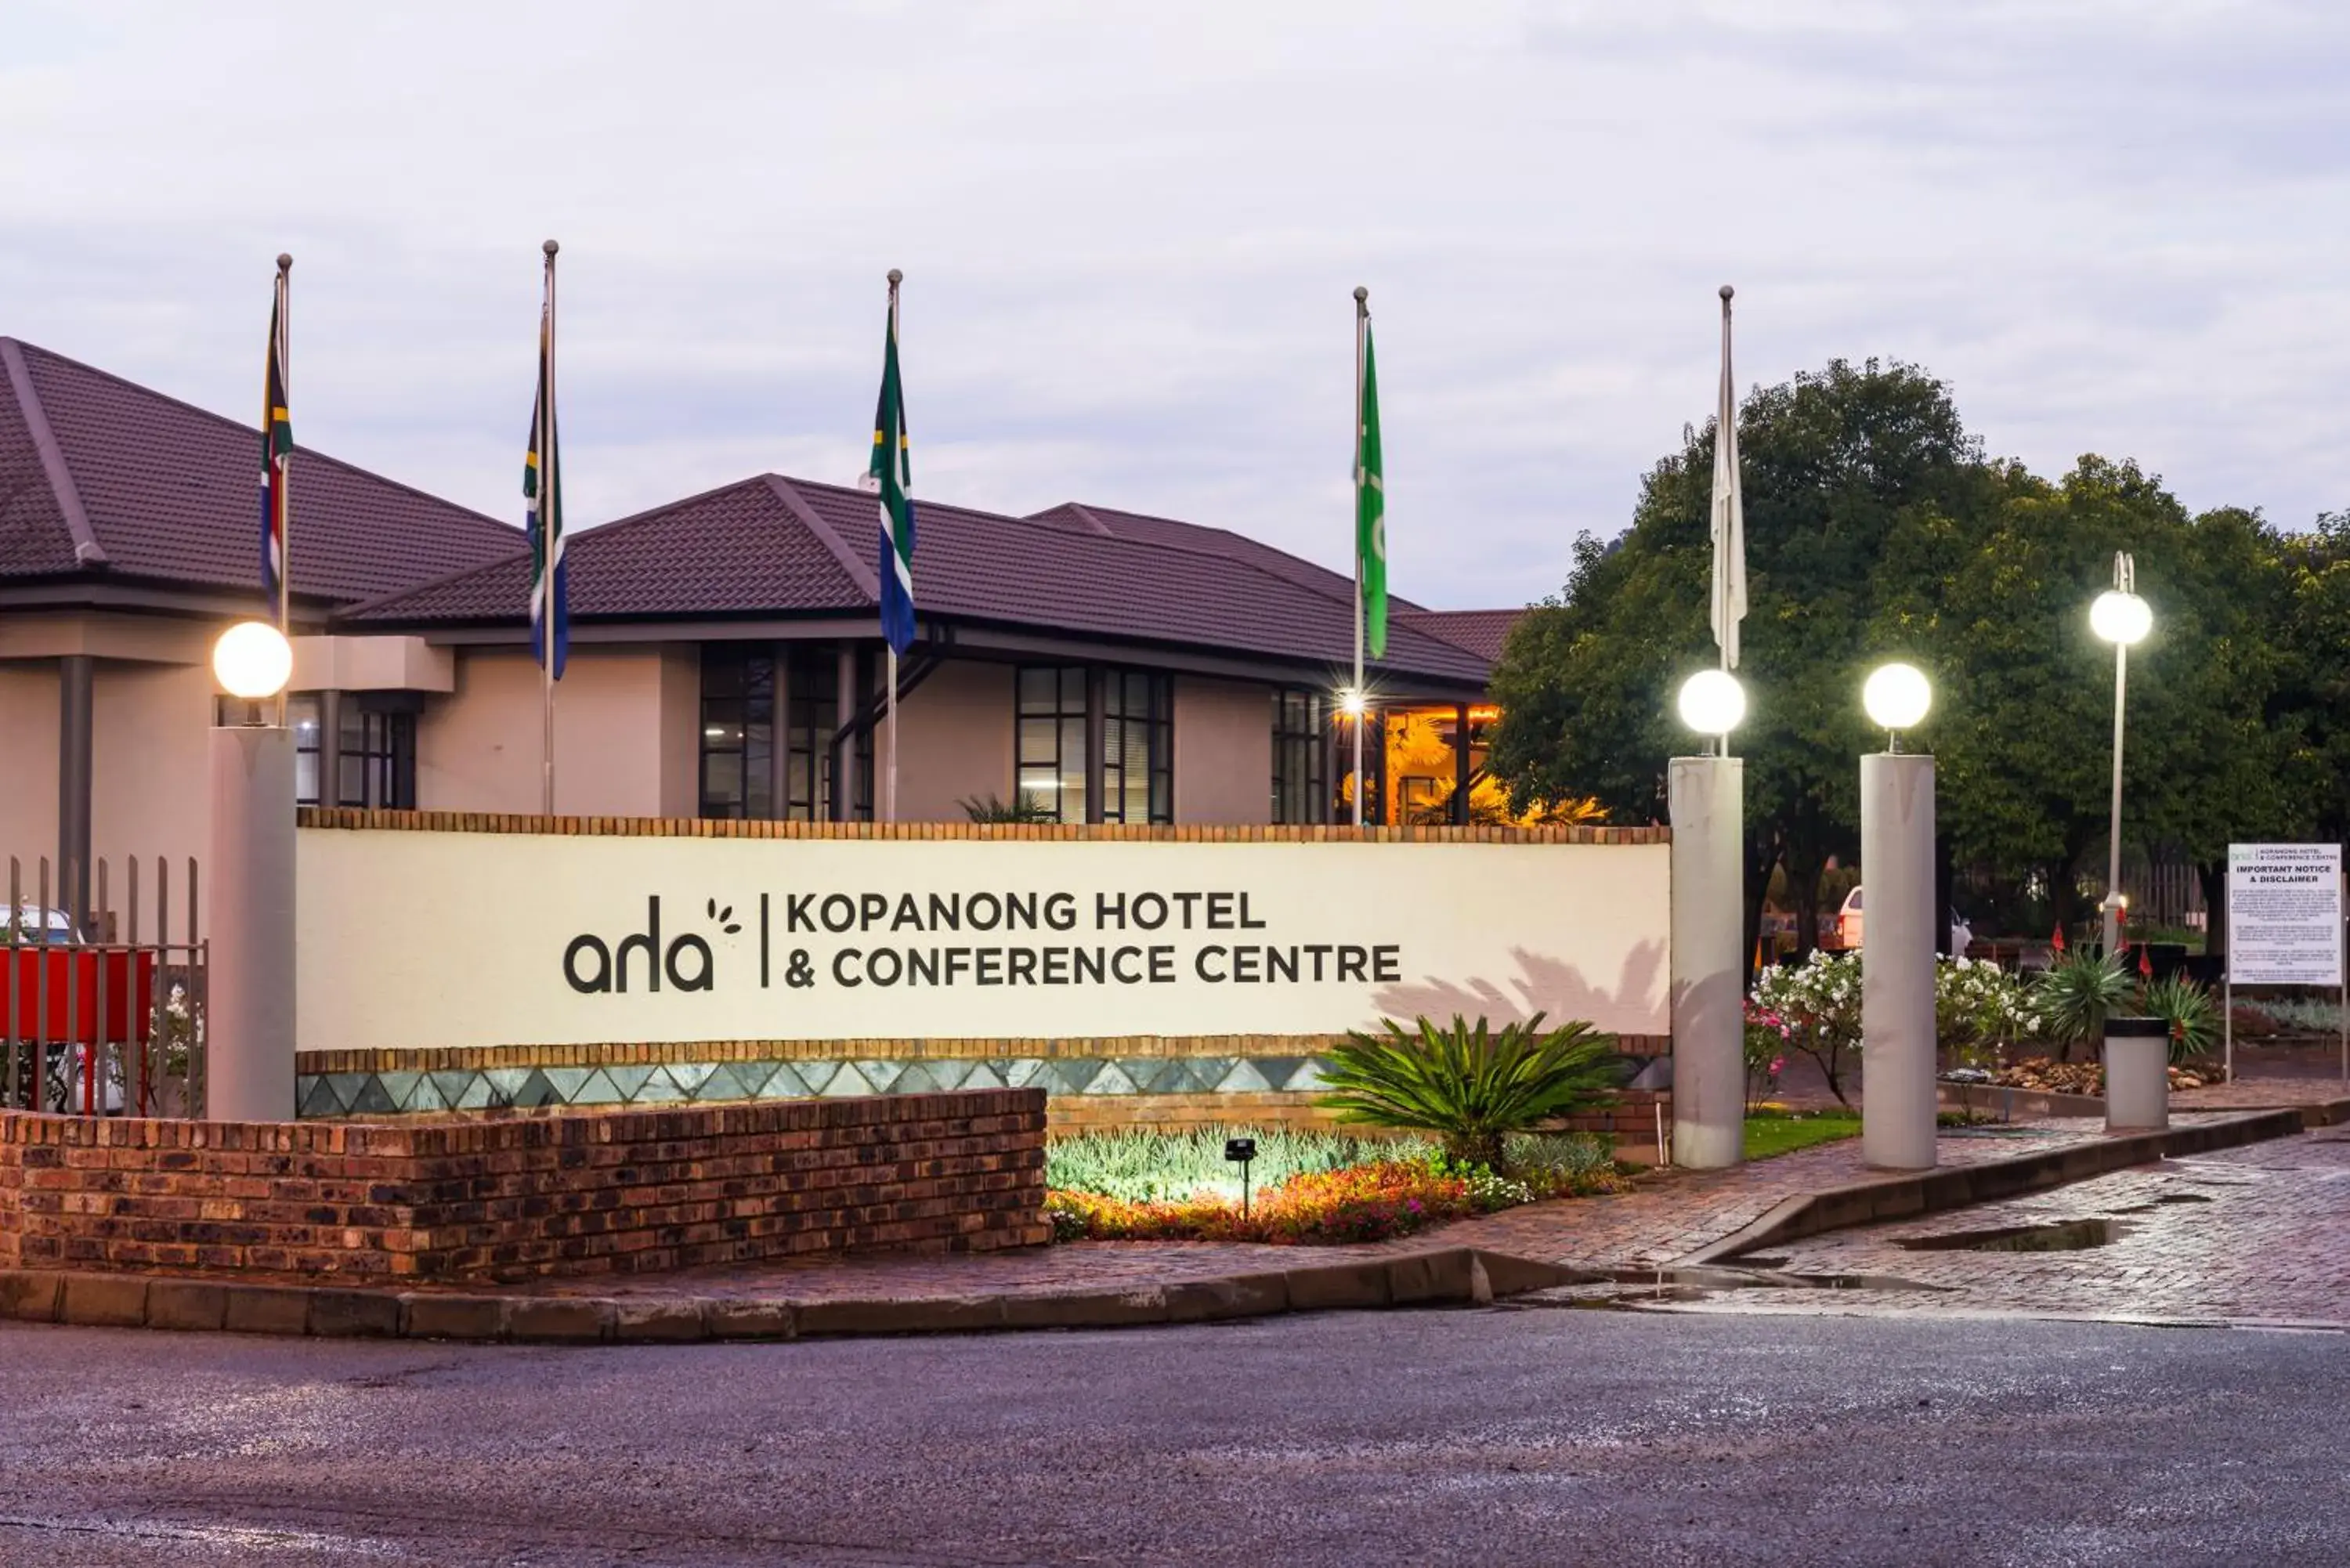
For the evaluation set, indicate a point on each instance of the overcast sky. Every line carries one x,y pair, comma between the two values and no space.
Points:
1131,233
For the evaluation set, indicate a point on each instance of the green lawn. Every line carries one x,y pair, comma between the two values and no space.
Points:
1783,1133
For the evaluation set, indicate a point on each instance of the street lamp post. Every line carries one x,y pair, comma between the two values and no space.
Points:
1707,802
1896,958
249,1062
2121,619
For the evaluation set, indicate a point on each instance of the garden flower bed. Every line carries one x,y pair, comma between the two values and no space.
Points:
1310,1189
2046,1076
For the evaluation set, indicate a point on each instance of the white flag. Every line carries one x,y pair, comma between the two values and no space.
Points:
1729,513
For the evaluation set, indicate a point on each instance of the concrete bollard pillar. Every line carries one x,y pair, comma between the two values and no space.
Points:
1706,797
249,871
1898,941
2137,1075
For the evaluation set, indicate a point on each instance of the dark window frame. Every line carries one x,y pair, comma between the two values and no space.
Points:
1141,699
1301,755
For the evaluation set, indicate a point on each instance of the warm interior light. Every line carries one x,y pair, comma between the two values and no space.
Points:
1897,696
1712,702
2121,618
252,661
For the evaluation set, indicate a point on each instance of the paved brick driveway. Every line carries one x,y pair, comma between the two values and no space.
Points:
2259,1234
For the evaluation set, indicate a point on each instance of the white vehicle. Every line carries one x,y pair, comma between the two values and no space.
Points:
1960,935
36,927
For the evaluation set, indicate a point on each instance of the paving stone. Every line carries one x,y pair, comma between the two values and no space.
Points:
556,1319
193,1306
430,1315
751,1319
30,1295
675,1322
267,1308
104,1300
354,1315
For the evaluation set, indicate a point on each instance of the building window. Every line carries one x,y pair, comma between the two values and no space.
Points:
302,715
1052,739
1301,752
1137,747
740,706
379,758
738,731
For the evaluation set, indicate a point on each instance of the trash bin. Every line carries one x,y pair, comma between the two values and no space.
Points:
2137,1075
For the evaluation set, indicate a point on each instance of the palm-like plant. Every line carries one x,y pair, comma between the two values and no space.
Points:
2187,1008
1471,1087
2073,1000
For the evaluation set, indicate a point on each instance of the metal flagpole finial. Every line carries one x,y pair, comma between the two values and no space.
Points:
1362,299
285,261
896,277
1726,292
550,247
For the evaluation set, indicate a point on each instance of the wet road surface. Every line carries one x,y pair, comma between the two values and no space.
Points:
1505,1436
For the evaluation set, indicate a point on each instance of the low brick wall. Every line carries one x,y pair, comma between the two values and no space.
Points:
509,1199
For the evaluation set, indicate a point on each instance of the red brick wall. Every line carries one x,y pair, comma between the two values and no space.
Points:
507,1199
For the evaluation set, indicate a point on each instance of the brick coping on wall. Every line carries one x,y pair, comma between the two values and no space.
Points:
514,1198
477,1058
353,817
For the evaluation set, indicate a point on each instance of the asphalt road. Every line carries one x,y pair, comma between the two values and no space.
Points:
1499,1437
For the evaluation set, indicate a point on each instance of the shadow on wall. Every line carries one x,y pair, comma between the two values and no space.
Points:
1551,986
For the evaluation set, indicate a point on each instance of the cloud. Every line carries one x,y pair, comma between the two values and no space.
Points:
1130,237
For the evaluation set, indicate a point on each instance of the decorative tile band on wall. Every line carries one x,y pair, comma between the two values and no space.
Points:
411,1091
354,817
639,1054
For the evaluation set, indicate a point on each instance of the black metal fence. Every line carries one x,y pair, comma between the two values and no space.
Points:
102,1007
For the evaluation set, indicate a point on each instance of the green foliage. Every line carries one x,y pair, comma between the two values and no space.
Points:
1767,1136
2071,1002
2190,1011
1471,1087
1146,1165
1875,528
993,808
1979,1008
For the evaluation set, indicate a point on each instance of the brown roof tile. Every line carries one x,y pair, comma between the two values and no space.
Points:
772,546
1482,632
167,493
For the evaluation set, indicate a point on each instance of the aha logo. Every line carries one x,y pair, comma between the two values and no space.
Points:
610,972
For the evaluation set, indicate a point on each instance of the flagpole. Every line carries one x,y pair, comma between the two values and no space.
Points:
889,778
547,522
1361,707
285,348
1726,423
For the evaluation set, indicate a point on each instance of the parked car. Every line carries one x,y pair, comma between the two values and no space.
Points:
39,926
1961,935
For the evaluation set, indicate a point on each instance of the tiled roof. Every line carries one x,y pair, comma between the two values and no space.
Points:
151,488
776,546
1482,632
1108,519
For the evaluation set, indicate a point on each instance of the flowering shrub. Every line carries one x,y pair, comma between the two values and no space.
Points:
1369,1202
1818,1006
1767,1034
1980,1009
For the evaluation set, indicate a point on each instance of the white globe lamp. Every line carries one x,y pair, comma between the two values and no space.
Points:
252,661
1896,697
1712,702
2120,617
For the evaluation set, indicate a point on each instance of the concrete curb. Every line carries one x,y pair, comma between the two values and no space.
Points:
1453,1276
1963,1186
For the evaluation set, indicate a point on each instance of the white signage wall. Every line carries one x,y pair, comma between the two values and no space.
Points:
2284,914
426,939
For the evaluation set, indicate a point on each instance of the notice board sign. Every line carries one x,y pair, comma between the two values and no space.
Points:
2284,914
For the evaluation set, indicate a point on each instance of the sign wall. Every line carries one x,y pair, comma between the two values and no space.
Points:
424,938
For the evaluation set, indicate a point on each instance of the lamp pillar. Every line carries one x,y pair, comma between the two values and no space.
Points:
1706,797
249,1030
1896,961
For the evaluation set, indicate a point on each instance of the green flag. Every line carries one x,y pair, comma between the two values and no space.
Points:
1370,512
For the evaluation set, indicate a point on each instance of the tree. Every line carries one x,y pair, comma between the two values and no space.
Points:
1838,466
